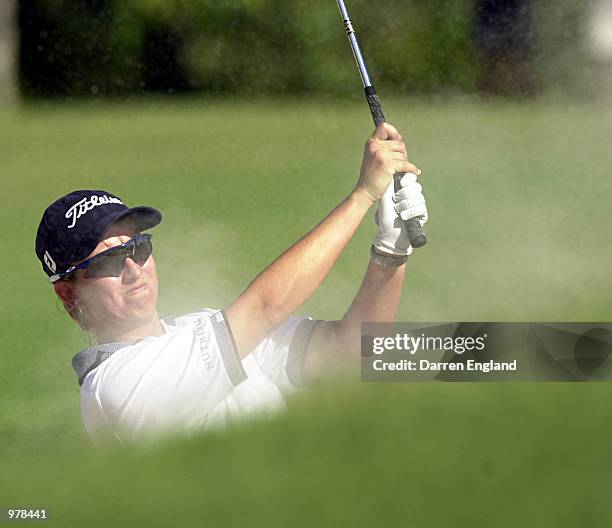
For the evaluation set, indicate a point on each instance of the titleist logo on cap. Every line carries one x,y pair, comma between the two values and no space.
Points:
84,205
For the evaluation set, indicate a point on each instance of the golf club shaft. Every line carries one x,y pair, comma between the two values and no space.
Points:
412,225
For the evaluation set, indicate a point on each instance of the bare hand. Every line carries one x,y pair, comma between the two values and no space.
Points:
385,154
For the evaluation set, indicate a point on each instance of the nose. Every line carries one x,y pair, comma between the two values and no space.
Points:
131,270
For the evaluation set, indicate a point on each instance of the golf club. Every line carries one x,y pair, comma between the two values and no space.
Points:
412,225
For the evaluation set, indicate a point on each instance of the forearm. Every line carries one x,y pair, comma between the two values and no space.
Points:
336,344
292,278
377,299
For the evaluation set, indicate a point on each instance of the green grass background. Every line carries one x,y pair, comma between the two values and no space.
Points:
519,198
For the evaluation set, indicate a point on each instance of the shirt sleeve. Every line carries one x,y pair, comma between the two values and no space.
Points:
282,353
227,348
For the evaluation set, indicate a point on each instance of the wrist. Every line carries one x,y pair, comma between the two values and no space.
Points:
387,259
362,195
388,244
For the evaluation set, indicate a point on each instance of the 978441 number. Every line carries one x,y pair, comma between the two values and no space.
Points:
22,513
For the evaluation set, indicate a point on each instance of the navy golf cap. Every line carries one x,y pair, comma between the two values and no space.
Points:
73,225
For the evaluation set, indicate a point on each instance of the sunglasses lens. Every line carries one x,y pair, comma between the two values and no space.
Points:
110,264
105,266
142,251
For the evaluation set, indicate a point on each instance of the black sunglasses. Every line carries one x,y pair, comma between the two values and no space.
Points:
110,263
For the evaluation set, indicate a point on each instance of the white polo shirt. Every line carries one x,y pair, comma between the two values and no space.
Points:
186,381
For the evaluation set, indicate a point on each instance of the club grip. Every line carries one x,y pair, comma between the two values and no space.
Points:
414,229
375,107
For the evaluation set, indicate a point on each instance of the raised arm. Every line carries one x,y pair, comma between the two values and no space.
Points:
292,278
335,345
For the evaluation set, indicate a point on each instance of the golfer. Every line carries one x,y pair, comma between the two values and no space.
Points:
149,376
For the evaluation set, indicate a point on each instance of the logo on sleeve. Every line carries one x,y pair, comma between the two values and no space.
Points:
204,349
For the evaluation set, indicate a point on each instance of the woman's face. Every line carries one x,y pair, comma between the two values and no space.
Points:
118,302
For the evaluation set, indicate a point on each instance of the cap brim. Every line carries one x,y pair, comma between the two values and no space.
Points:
144,217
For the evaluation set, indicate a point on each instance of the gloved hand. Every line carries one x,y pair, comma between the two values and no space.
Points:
408,202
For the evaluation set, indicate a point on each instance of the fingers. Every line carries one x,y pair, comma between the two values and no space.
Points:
397,162
374,146
387,137
404,166
412,209
386,131
395,155
407,166
392,151
409,200
408,193
408,179
410,190
395,146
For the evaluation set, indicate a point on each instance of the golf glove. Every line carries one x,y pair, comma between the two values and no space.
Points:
407,202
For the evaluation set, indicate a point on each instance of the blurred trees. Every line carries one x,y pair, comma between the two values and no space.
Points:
601,45
79,47
504,44
8,52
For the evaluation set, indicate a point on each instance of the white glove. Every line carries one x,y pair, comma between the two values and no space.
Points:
409,199
408,202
